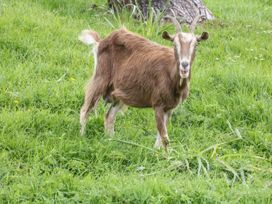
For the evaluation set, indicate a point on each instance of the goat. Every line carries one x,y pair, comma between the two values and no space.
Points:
131,70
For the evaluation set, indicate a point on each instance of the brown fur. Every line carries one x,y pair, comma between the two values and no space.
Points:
133,75
134,71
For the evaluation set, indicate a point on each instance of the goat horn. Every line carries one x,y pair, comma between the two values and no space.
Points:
175,22
194,22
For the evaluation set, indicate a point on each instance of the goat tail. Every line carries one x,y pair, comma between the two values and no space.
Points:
89,37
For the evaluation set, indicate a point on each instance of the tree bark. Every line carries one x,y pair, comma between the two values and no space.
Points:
183,10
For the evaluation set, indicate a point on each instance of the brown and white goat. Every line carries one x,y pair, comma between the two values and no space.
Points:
131,70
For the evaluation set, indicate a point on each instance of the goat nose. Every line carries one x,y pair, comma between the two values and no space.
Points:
185,64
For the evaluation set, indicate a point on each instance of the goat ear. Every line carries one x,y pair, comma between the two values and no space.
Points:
204,36
167,36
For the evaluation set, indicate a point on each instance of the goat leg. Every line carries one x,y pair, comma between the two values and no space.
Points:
158,142
161,119
94,91
110,117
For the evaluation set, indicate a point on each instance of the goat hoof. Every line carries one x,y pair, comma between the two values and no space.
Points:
109,133
165,142
158,142
157,145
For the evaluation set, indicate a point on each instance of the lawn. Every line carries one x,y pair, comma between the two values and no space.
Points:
221,137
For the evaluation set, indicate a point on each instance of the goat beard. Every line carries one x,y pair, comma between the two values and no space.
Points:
183,75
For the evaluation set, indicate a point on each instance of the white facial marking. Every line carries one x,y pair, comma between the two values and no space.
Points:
178,47
184,57
187,37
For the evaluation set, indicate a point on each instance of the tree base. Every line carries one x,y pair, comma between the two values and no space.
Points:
184,10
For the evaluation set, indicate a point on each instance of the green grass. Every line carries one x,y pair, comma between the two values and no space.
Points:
221,137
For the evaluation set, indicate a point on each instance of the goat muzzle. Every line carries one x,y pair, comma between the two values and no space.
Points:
184,73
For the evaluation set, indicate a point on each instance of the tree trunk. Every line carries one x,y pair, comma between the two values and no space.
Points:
188,9
183,10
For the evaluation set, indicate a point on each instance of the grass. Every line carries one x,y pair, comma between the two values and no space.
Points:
221,137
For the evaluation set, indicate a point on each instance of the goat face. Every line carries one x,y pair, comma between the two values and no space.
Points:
184,47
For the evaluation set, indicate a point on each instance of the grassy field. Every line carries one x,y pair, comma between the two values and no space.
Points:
221,137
